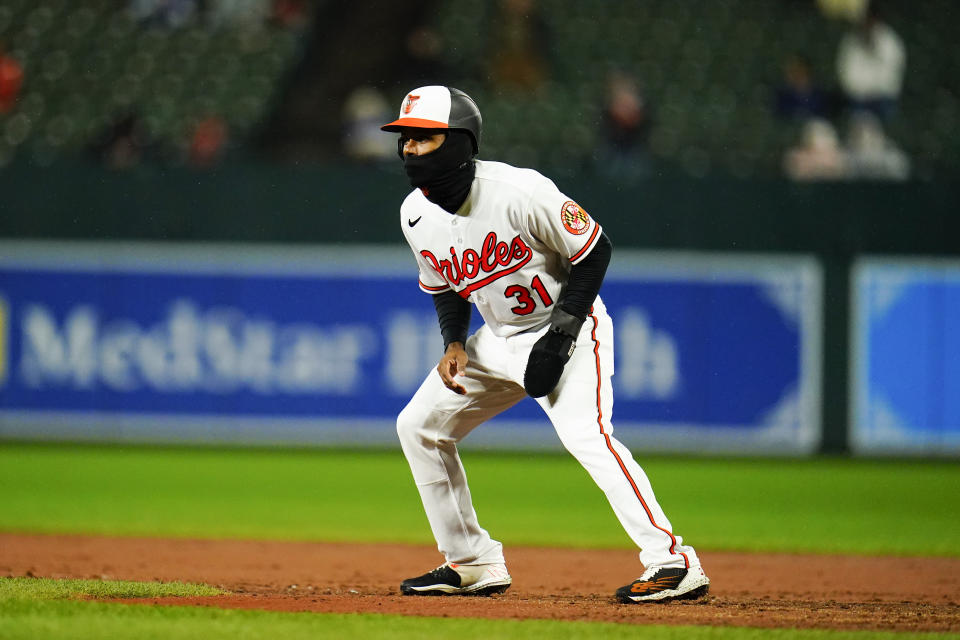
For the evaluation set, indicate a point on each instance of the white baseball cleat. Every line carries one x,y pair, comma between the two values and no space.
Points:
459,580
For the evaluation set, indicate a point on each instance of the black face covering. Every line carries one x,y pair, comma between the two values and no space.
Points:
445,174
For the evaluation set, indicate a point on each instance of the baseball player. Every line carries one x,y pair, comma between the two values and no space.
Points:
531,260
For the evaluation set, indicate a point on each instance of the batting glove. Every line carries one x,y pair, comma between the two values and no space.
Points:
550,353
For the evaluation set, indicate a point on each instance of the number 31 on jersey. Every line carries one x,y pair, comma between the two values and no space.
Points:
525,302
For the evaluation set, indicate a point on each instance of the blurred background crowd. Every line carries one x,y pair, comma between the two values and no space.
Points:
814,90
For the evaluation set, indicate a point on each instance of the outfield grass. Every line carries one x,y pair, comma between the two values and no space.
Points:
26,614
818,505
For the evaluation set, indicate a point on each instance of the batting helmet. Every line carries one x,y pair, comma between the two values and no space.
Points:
437,107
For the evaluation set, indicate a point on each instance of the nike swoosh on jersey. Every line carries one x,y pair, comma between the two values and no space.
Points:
413,222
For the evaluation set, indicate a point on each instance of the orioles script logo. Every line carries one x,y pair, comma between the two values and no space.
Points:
495,254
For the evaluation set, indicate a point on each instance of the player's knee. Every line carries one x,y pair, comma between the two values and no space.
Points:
421,429
410,425
404,425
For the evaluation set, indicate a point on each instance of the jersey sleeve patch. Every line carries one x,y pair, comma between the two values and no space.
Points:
575,220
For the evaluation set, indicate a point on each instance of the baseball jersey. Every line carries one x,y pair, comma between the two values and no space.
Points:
508,249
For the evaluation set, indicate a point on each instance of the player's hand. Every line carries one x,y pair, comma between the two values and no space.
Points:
453,364
550,353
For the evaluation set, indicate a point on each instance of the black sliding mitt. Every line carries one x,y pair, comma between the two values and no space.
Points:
550,353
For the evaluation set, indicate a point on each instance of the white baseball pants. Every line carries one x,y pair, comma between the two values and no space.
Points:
580,407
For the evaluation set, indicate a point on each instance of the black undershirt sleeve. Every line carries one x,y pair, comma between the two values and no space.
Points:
453,312
585,279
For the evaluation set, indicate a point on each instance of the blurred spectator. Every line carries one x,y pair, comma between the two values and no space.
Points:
208,140
363,113
868,154
11,80
170,14
227,13
844,9
625,129
799,97
871,155
424,57
123,144
819,155
870,66
518,46
290,14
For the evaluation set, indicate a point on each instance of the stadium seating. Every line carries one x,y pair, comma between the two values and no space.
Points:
708,68
86,63
709,71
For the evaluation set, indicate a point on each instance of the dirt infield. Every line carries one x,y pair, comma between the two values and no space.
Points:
757,590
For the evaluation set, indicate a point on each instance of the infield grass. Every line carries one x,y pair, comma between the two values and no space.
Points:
27,613
545,499
12,589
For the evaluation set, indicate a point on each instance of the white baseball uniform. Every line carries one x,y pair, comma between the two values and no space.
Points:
509,250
